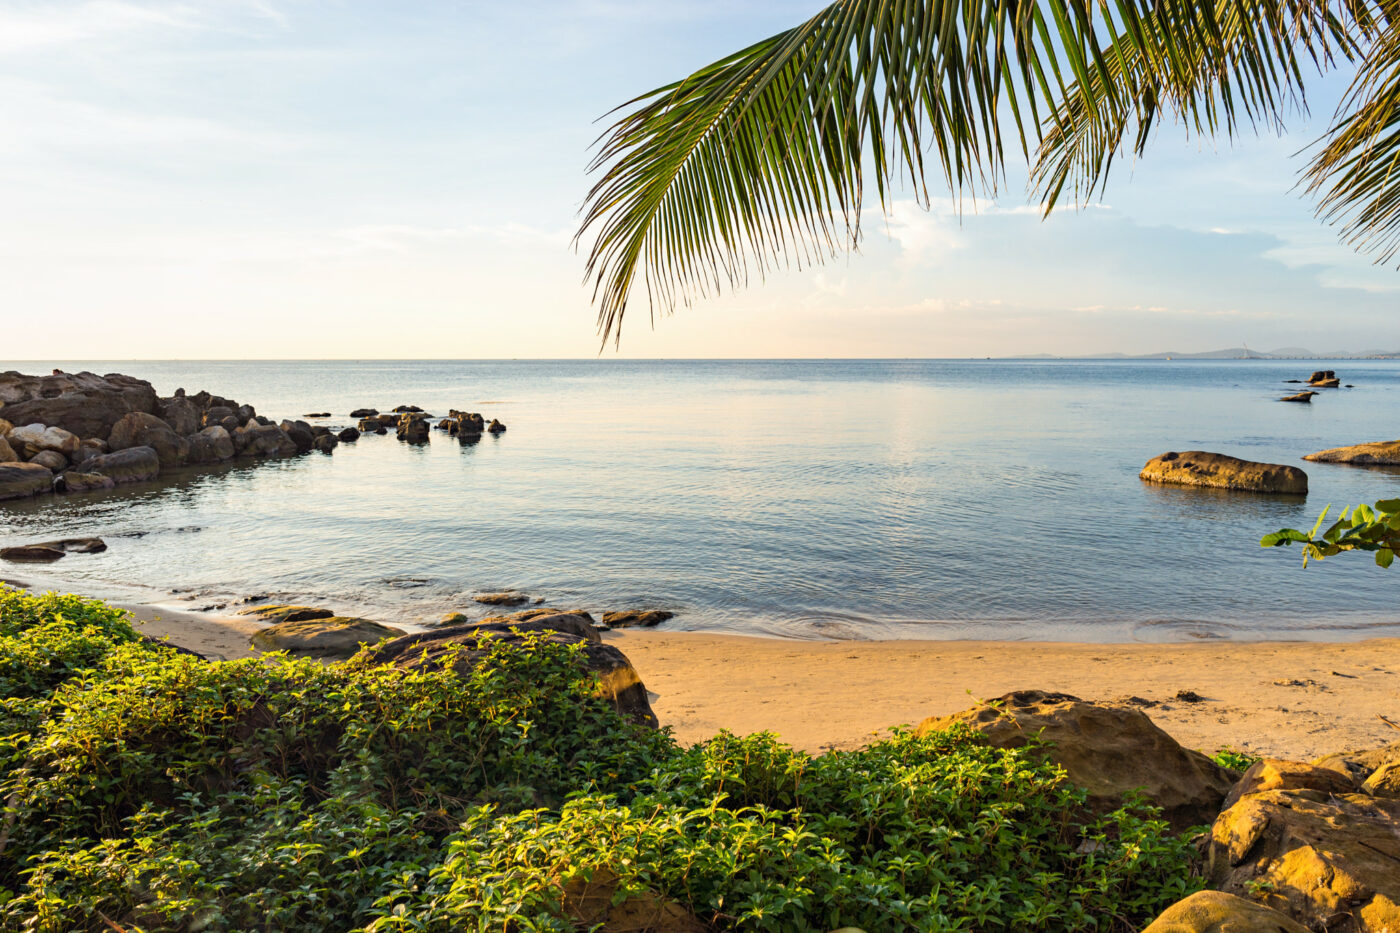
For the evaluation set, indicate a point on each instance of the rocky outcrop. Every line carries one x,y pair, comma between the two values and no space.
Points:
467,645
1218,471
349,435
1379,453
84,404
645,618
274,614
325,443
181,414
331,638
496,427
263,440
502,599
1324,379
1300,397
139,429
300,434
1218,912
22,480
1106,750
219,441
1276,774
1329,860
133,465
413,427
1360,766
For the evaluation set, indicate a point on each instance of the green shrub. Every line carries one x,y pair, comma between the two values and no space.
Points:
150,790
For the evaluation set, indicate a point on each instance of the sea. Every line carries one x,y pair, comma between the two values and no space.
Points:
806,499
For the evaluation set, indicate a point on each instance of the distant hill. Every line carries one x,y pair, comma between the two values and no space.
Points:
1231,353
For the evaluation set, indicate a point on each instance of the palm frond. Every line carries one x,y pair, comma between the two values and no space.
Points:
761,158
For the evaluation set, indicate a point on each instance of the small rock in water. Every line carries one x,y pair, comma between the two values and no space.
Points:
364,413
275,614
647,618
454,618
31,554
318,414
1300,397
502,599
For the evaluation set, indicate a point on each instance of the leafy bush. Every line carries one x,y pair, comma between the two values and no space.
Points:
1234,759
1363,528
150,790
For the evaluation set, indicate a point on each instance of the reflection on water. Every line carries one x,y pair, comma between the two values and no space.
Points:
809,499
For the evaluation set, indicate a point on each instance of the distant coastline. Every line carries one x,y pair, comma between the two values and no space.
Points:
1230,353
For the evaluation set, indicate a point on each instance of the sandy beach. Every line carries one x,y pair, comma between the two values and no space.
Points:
1289,699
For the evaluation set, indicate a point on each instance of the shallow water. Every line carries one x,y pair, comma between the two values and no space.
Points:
848,499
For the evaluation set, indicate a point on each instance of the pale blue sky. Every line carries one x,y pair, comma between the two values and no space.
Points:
297,178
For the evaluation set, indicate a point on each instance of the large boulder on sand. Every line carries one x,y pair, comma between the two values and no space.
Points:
139,429
464,646
84,404
1218,912
1106,750
22,480
133,465
1378,453
337,637
1218,471
1329,860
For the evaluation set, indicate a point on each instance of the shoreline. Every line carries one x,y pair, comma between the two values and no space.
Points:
1288,699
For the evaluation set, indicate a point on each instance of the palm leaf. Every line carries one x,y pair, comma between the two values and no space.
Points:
761,159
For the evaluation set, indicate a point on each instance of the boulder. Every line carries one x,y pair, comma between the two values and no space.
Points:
496,427
1360,766
1106,750
73,481
181,414
139,429
97,445
1300,397
245,413
407,409
133,465
1322,375
1328,383
413,428
461,423
220,441
7,453
349,434
1379,453
465,646
274,614
32,554
1384,781
1218,471
502,599
579,624
263,440
5,426
454,618
84,404
76,545
325,443
300,434
334,637
1218,912
218,414
51,460
318,414
21,480
364,413
1332,862
36,438
1276,774
646,618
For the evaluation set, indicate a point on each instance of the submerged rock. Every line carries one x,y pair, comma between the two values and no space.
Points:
1219,471
1300,397
646,618
1106,750
22,480
348,435
1378,453
74,481
329,638
273,614
502,599
50,551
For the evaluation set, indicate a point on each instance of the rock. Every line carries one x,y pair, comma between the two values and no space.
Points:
246,413
5,426
406,409
454,618
31,554
502,599
181,414
462,423
364,413
334,637
274,614
579,624
218,414
326,443
592,904
1105,750
36,438
7,453
1201,468
647,618
1276,774
1328,384
300,434
318,414
76,545
50,459
413,428
73,481
1300,397
263,440
84,404
318,430
1329,861
496,427
617,679
220,441
349,435
1379,453
133,465
1384,781
1321,375
1217,912
139,429
21,480
1360,765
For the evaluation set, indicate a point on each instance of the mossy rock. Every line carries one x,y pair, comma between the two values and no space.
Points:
333,638
276,614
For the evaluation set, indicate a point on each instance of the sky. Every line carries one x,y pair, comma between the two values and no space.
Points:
305,179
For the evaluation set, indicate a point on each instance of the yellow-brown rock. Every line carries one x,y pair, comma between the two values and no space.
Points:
1276,774
333,638
1218,471
1218,912
1384,781
1332,864
1106,750
1380,453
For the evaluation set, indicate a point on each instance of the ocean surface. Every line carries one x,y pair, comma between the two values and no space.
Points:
806,499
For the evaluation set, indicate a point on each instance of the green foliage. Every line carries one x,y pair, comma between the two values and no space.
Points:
1234,759
1364,528
149,790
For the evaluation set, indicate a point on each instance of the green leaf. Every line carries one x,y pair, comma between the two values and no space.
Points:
1384,557
1283,538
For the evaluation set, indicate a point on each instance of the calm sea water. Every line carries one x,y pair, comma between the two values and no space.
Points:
846,499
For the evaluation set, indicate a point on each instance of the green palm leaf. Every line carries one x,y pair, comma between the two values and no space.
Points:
761,159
